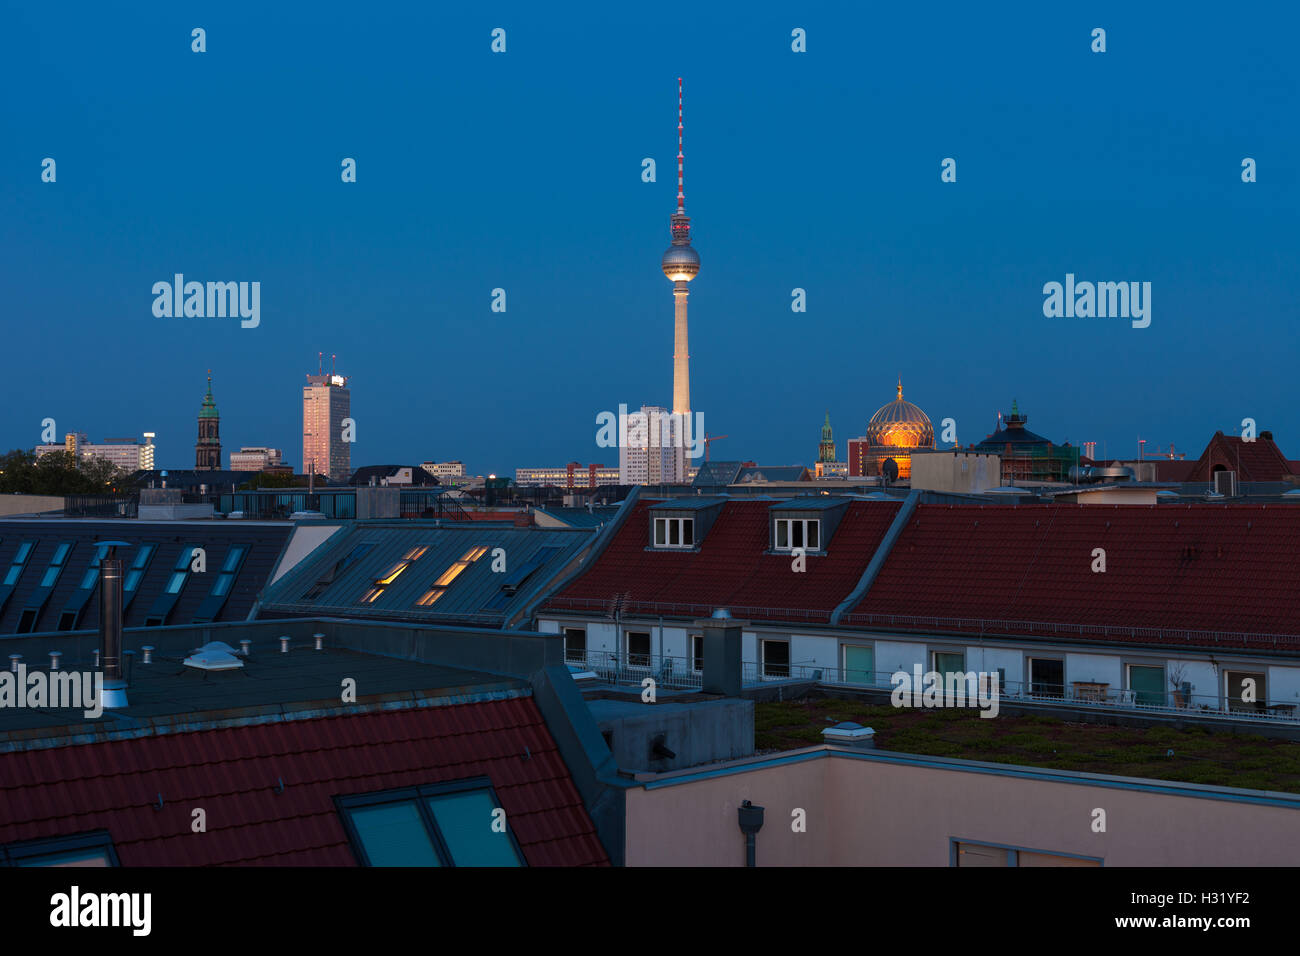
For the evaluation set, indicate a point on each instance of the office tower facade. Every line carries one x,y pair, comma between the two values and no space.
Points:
326,402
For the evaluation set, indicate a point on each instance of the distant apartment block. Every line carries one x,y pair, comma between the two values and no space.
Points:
129,454
326,402
572,475
256,458
444,469
653,450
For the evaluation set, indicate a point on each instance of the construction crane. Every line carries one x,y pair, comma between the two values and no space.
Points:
708,439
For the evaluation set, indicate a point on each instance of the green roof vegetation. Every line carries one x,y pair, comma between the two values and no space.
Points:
1199,754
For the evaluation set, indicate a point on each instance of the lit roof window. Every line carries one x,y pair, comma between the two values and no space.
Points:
392,574
451,574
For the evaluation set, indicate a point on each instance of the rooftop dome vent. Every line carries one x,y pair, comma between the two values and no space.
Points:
214,656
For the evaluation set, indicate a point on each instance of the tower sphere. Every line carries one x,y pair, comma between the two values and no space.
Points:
681,263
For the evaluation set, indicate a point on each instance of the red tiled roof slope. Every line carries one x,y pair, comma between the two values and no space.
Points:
233,773
1230,568
731,568
1258,460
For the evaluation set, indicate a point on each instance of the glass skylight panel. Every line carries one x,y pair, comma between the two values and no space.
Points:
451,574
392,834
465,821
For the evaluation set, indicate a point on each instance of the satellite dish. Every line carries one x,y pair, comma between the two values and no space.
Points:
889,468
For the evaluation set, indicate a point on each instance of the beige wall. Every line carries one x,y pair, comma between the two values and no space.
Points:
886,813
943,471
29,504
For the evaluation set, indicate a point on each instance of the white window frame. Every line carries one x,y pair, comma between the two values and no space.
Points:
788,525
762,658
674,527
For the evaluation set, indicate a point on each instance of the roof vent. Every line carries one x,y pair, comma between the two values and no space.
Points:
214,656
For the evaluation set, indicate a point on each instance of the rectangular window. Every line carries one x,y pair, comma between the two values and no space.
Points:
697,653
1244,691
176,582
575,645
1147,684
456,824
331,574
674,532
444,581
776,659
1046,677
392,574
949,663
638,648
19,562
92,573
84,849
794,533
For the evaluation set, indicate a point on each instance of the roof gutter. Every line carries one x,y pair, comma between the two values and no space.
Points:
597,547
905,512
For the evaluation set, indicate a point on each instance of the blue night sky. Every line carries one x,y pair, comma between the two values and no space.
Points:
477,170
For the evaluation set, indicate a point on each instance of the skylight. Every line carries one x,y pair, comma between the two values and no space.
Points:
451,574
392,574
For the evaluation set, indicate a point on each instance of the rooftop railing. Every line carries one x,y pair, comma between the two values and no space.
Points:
990,627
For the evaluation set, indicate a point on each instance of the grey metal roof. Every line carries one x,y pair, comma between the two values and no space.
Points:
581,517
809,503
689,503
335,578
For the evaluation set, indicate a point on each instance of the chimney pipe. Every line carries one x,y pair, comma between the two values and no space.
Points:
284,644
14,661
148,654
245,647
55,658
108,656
110,630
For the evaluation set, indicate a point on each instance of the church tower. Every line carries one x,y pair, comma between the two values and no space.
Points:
826,450
207,450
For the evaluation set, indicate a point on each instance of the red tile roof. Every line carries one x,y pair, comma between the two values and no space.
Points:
731,569
232,774
1224,568
1258,460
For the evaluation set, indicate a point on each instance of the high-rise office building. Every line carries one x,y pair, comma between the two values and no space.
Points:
326,402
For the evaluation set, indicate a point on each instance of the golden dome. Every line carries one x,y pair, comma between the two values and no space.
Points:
900,424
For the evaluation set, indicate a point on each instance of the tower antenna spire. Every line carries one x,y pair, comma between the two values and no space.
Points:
681,192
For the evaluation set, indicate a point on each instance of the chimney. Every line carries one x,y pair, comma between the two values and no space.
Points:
722,653
110,626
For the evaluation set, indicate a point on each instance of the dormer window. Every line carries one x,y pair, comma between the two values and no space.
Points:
674,532
794,533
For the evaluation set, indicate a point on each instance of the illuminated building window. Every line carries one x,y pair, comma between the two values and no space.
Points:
392,574
451,574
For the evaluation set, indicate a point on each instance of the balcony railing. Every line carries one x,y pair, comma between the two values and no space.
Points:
677,673
1170,702
669,673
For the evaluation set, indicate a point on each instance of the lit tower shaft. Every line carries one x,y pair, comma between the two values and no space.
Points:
681,263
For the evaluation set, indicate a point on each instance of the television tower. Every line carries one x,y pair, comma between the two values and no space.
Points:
680,263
